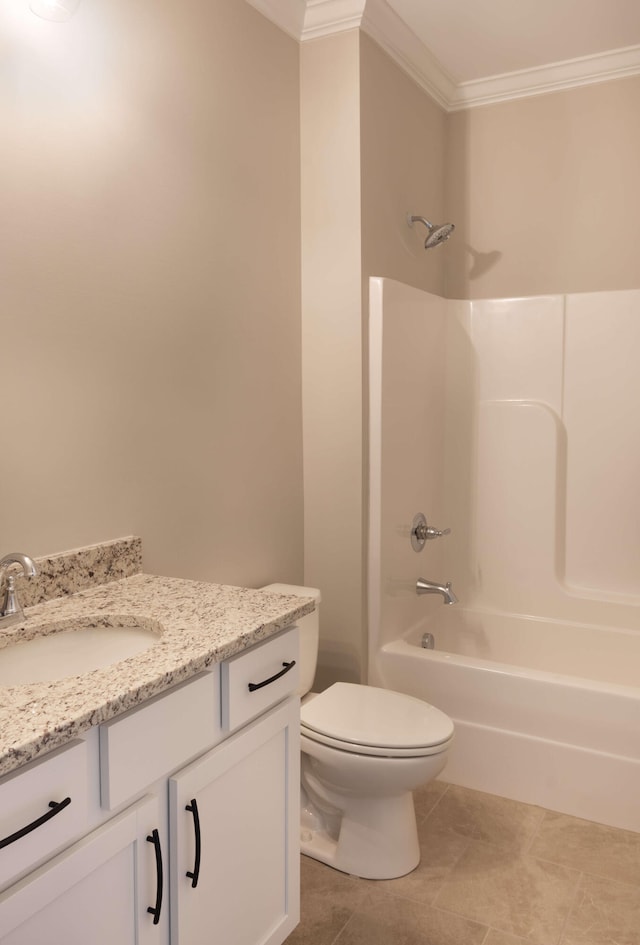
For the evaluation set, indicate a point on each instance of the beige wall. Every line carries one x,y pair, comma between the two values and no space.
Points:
332,347
150,274
545,194
402,171
359,180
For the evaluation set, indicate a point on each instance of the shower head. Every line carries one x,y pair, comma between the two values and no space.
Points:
438,232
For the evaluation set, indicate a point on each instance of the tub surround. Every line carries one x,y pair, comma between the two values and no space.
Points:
201,624
527,452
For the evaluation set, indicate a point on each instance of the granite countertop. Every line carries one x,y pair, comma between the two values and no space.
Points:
198,623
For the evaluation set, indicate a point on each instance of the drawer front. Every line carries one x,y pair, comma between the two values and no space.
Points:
154,739
258,678
43,807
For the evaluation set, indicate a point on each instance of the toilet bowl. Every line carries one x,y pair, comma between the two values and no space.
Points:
364,751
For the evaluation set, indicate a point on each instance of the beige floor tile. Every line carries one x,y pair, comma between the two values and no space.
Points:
604,913
487,817
495,937
573,883
510,892
426,798
593,848
440,850
327,901
382,920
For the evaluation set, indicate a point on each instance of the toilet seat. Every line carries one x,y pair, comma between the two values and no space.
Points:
366,720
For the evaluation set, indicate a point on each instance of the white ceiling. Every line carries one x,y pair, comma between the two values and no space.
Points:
475,52
475,39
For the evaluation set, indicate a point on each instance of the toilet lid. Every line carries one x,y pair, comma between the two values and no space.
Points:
365,717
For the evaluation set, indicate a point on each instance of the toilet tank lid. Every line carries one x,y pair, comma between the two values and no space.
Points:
294,589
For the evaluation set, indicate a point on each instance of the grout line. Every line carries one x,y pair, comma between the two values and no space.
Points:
336,940
570,909
587,872
526,850
468,918
486,935
427,816
445,879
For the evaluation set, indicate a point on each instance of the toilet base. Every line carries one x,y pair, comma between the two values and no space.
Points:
377,839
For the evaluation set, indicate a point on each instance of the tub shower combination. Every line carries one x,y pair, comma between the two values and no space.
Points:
538,663
545,712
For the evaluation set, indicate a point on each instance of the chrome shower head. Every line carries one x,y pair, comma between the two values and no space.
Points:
438,232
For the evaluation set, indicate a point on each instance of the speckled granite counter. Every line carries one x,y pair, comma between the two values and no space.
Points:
201,624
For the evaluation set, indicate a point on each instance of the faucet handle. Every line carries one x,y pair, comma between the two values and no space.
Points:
421,532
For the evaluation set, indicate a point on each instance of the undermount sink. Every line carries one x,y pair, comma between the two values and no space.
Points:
75,647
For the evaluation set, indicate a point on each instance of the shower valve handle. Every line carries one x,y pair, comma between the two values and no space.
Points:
421,532
426,532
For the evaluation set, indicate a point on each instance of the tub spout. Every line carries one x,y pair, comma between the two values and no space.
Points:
428,587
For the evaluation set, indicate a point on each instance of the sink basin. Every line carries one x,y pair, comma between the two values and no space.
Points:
75,647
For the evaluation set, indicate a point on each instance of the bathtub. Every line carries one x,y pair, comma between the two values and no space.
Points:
545,712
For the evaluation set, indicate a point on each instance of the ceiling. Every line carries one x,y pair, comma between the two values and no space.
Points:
475,39
475,52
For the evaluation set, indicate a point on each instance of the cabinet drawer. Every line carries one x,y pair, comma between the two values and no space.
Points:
43,807
258,678
152,740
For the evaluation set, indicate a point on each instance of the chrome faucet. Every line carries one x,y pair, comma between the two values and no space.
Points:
10,610
428,587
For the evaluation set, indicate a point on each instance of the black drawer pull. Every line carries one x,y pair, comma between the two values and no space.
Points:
258,685
55,806
195,875
157,909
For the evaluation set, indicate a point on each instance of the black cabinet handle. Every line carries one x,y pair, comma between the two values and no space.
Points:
55,806
265,682
195,875
157,909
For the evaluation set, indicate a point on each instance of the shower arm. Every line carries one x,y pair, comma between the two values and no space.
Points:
413,219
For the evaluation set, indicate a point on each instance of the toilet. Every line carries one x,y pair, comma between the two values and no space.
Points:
364,751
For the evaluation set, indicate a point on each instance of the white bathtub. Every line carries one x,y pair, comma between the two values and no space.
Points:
545,712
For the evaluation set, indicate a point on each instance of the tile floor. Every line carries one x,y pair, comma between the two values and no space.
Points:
493,872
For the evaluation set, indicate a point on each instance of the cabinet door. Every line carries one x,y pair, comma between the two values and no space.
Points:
234,821
52,792
96,892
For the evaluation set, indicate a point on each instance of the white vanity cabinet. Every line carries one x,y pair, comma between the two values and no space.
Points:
44,807
234,812
95,892
234,842
183,823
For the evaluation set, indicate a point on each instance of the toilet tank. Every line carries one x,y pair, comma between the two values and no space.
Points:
309,627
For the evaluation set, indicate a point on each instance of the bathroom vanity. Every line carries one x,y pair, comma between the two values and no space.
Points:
155,801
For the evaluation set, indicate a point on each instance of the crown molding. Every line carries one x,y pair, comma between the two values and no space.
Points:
572,73
287,14
311,19
383,25
326,17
